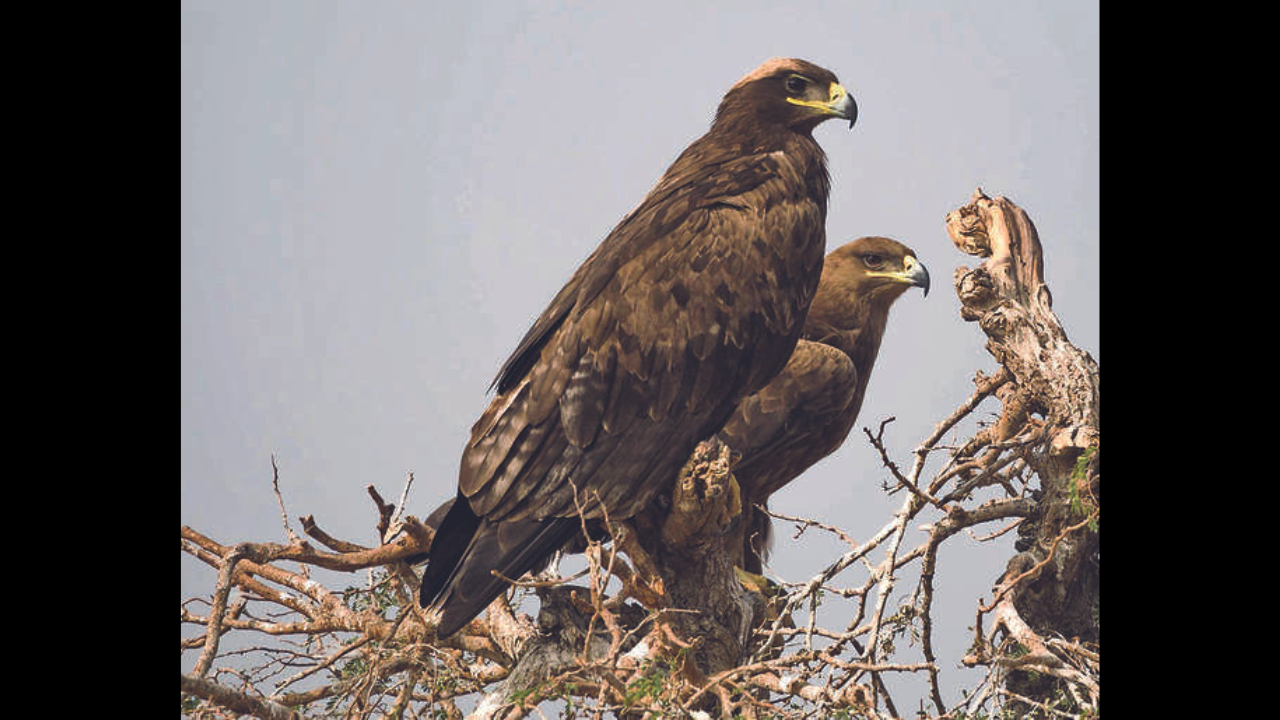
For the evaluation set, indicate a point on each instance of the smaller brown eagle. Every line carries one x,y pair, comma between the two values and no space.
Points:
805,413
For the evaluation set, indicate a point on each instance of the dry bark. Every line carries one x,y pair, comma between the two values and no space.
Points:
1050,588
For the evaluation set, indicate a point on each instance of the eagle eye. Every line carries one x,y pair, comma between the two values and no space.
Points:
873,260
796,84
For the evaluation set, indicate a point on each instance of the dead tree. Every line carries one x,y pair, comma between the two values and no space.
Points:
660,623
1047,600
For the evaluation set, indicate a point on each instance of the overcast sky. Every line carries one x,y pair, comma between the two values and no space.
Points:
378,199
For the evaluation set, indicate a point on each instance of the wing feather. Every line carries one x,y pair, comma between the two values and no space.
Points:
632,343
788,425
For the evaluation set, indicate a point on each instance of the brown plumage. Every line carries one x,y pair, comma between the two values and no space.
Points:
807,410
694,300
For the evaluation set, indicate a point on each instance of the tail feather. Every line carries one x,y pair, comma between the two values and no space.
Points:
453,535
458,583
433,522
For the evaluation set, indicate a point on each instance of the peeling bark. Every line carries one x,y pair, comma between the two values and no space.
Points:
1050,589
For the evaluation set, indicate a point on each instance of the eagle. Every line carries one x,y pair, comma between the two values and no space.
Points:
805,413
693,301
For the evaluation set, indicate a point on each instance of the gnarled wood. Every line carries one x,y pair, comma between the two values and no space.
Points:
1051,587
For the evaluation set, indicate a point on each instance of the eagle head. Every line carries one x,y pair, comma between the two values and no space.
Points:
794,93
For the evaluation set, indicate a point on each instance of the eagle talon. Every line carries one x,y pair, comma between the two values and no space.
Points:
752,582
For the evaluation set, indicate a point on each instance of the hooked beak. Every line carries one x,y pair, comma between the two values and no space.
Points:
915,273
842,104
839,104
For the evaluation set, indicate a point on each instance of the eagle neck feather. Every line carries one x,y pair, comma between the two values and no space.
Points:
855,329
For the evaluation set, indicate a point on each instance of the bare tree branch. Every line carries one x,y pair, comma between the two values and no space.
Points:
237,701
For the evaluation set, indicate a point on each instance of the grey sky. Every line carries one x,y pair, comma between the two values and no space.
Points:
378,198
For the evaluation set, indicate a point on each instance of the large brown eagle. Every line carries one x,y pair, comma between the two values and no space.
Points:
805,413
695,300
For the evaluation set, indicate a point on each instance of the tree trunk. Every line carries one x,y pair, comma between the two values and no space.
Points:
691,554
1049,590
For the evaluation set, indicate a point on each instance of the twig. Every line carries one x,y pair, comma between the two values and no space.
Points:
275,486
327,662
404,498
986,386
877,441
534,584
806,522
1035,569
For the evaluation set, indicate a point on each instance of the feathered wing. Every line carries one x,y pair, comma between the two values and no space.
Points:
800,417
